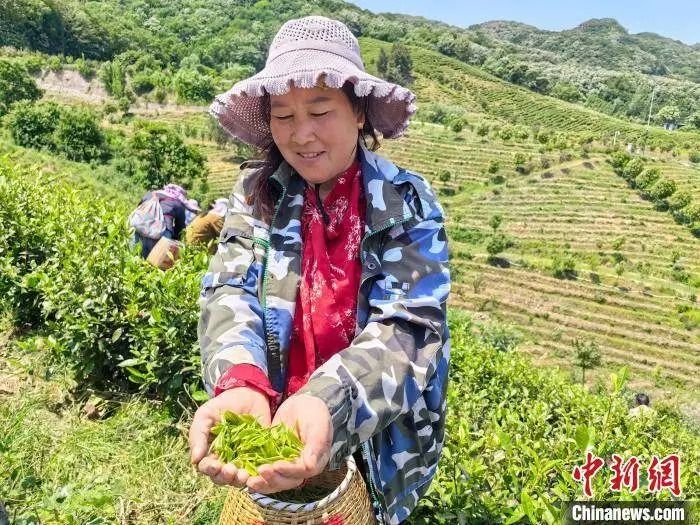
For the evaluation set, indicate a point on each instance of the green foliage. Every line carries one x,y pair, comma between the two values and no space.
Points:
618,161
514,433
633,168
563,266
467,235
497,243
400,65
587,356
193,86
73,132
679,200
494,166
382,63
114,320
33,125
669,114
15,85
566,91
694,157
647,178
155,156
662,189
113,77
79,137
495,222
444,176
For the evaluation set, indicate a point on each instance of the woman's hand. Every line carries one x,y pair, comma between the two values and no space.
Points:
309,417
241,400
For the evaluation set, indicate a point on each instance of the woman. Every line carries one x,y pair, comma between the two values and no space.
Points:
173,201
206,227
324,307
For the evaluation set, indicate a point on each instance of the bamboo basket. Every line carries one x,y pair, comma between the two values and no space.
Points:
164,253
348,504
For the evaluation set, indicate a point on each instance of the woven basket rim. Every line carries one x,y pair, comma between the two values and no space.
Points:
266,501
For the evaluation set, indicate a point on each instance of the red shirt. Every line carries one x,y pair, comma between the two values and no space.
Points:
326,307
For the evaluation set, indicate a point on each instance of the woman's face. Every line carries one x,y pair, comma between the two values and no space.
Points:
316,131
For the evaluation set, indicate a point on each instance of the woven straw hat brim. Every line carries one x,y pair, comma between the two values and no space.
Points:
241,111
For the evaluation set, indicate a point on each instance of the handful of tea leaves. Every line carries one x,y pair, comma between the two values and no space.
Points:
243,441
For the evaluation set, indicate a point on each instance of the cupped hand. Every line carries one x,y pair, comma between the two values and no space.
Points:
241,400
310,418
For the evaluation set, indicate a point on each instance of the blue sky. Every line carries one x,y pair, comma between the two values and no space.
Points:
671,18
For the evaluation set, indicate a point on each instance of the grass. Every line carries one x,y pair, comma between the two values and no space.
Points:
57,466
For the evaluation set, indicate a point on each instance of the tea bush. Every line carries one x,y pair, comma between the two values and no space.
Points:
515,433
66,268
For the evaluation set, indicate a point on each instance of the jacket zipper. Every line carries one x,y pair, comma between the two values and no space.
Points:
269,337
376,504
388,224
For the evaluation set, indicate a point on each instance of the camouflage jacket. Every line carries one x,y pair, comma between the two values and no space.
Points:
385,392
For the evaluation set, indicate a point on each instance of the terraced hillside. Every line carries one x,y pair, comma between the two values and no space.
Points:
685,174
634,287
440,78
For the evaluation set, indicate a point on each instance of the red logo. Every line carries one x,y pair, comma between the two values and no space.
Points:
662,473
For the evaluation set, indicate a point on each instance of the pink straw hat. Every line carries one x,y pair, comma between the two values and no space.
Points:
304,51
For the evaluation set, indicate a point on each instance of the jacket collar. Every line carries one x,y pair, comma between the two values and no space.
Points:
381,179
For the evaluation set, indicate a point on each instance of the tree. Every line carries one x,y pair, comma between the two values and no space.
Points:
400,65
382,63
669,114
694,120
192,86
587,356
33,125
15,85
160,156
79,136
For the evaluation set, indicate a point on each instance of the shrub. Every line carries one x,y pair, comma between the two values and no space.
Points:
587,356
15,85
84,68
694,157
444,176
192,86
662,189
618,161
563,266
679,199
66,267
494,166
497,243
647,178
633,168
501,338
142,83
79,136
519,159
33,125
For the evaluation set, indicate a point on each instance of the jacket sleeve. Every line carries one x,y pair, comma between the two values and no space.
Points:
230,327
388,366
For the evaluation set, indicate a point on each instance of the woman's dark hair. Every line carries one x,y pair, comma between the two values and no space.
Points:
263,195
